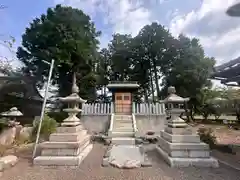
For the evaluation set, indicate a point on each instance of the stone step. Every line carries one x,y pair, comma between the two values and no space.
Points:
122,134
123,141
180,125
65,145
69,129
123,125
63,137
179,131
189,153
181,138
122,130
122,116
168,146
65,151
62,160
123,121
186,162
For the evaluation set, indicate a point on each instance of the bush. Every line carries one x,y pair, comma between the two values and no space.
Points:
49,126
58,116
207,136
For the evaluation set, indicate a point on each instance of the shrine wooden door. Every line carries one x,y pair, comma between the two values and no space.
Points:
123,103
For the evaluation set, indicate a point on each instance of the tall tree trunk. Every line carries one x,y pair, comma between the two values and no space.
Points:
152,86
145,95
155,71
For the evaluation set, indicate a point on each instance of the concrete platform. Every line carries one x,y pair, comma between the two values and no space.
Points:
122,134
168,146
123,141
65,145
73,129
65,151
63,160
191,138
63,137
180,131
126,156
186,162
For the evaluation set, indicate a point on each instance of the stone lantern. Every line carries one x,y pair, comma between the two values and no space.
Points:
174,105
177,144
71,143
12,114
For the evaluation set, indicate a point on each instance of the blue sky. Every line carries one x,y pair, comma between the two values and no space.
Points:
204,19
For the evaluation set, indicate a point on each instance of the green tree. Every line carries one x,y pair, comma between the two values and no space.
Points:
142,58
103,66
206,102
68,36
120,54
159,51
190,72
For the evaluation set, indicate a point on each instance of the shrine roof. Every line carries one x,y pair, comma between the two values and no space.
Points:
228,72
123,85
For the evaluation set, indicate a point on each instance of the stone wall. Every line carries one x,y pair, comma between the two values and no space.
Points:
153,123
100,123
96,123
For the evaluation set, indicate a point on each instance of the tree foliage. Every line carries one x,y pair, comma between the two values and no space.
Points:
153,58
68,36
156,60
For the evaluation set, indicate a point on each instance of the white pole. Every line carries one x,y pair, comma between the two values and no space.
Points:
43,109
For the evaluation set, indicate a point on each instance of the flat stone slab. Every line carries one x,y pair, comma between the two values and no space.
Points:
126,157
63,160
7,162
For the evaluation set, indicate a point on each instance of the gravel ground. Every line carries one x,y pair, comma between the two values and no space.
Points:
223,134
91,169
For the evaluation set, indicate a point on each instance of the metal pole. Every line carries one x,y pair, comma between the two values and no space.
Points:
43,109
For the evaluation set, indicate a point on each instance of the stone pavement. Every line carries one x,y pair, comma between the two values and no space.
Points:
91,169
126,156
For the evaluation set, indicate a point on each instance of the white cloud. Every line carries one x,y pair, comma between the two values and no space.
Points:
205,19
219,33
121,16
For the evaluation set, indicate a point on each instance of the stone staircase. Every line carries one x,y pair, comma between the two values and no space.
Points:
122,132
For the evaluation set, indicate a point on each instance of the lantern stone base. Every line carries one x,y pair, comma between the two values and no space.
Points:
67,147
184,149
186,162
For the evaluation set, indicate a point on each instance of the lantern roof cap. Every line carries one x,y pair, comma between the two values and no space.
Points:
173,98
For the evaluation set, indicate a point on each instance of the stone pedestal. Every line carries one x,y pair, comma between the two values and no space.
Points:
71,143
67,147
179,146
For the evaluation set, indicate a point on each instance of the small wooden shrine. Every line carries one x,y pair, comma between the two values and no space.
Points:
122,96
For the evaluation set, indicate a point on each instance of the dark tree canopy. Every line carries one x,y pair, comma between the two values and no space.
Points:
68,36
156,60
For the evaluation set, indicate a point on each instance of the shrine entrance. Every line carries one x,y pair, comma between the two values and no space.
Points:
123,103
